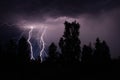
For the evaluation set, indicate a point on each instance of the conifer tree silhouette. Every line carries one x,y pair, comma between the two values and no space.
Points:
101,53
106,53
52,52
23,51
11,52
87,54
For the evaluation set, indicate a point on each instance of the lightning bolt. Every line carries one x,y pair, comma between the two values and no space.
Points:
42,43
29,37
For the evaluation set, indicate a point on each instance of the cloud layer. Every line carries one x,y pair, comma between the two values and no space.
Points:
97,18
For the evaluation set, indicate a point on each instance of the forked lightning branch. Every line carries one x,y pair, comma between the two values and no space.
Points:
42,42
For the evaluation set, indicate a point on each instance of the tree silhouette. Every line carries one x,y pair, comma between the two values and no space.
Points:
11,51
106,52
101,53
52,52
70,43
87,54
23,50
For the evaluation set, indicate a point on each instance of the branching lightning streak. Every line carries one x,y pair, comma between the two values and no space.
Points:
43,44
29,37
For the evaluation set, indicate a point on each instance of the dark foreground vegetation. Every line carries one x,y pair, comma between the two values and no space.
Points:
73,61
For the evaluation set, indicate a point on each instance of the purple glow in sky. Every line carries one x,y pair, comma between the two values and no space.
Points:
97,19
102,25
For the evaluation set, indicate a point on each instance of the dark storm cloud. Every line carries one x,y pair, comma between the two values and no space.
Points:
72,8
102,16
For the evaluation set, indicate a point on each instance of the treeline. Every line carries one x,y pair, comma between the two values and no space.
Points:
71,51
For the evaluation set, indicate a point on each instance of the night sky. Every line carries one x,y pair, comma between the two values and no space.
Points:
98,18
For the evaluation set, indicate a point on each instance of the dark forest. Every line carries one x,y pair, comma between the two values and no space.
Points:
72,59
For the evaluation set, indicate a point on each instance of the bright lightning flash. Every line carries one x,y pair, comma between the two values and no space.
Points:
42,43
31,48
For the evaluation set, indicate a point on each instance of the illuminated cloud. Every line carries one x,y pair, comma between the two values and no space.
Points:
97,19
